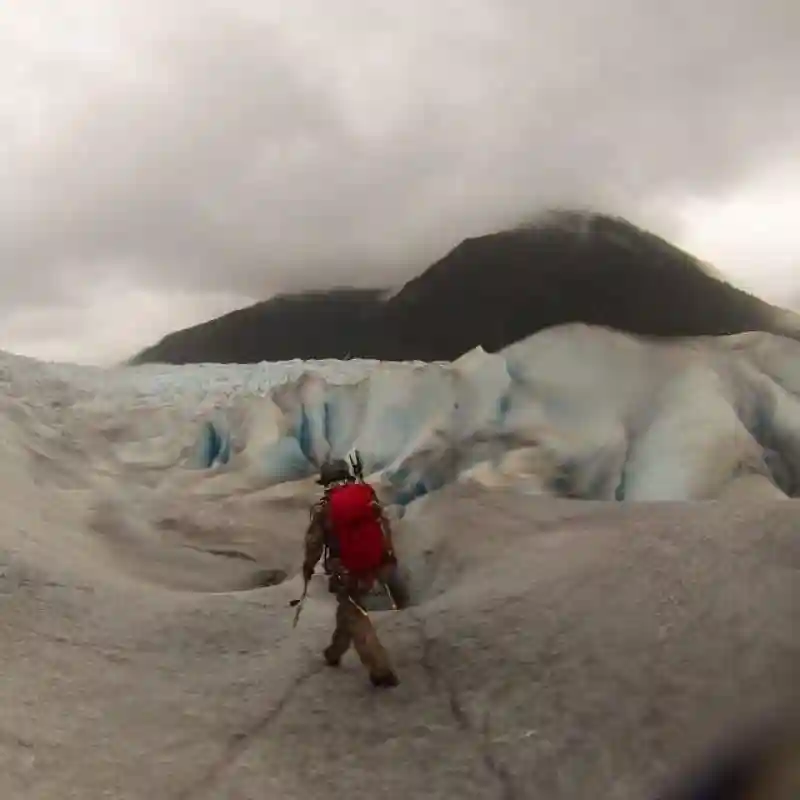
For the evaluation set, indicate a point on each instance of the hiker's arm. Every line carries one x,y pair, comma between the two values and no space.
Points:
314,543
385,526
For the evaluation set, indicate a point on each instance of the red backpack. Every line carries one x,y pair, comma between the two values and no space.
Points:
356,527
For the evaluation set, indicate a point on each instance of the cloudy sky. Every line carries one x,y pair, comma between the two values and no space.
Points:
167,161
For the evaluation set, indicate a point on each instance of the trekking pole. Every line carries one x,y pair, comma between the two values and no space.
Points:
299,604
358,605
390,596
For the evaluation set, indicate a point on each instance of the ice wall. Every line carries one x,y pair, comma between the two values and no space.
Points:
573,411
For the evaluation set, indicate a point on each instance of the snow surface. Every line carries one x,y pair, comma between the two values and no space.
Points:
559,645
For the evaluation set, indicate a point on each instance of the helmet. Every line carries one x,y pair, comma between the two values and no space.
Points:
333,471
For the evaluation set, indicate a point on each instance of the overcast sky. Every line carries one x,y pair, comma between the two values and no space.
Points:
164,162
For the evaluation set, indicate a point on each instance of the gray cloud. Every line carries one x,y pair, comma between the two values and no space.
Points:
240,147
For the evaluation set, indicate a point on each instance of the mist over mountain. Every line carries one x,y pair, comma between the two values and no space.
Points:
491,291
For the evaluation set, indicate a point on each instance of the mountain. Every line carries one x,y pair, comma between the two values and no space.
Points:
491,291
316,324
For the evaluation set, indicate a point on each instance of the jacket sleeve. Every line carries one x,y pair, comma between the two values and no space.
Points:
314,540
385,525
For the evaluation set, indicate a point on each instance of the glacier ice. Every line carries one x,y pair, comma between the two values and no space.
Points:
142,507
572,411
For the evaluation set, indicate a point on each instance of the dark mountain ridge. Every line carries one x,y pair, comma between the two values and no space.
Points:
491,291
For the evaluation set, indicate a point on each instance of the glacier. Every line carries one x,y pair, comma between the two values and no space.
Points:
600,534
573,411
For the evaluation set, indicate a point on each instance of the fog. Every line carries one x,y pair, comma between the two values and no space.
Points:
168,161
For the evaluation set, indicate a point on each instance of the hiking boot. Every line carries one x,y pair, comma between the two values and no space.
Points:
330,659
385,681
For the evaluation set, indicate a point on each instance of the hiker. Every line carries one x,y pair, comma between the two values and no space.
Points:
335,473
350,519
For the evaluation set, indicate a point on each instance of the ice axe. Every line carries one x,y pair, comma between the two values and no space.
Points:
357,465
